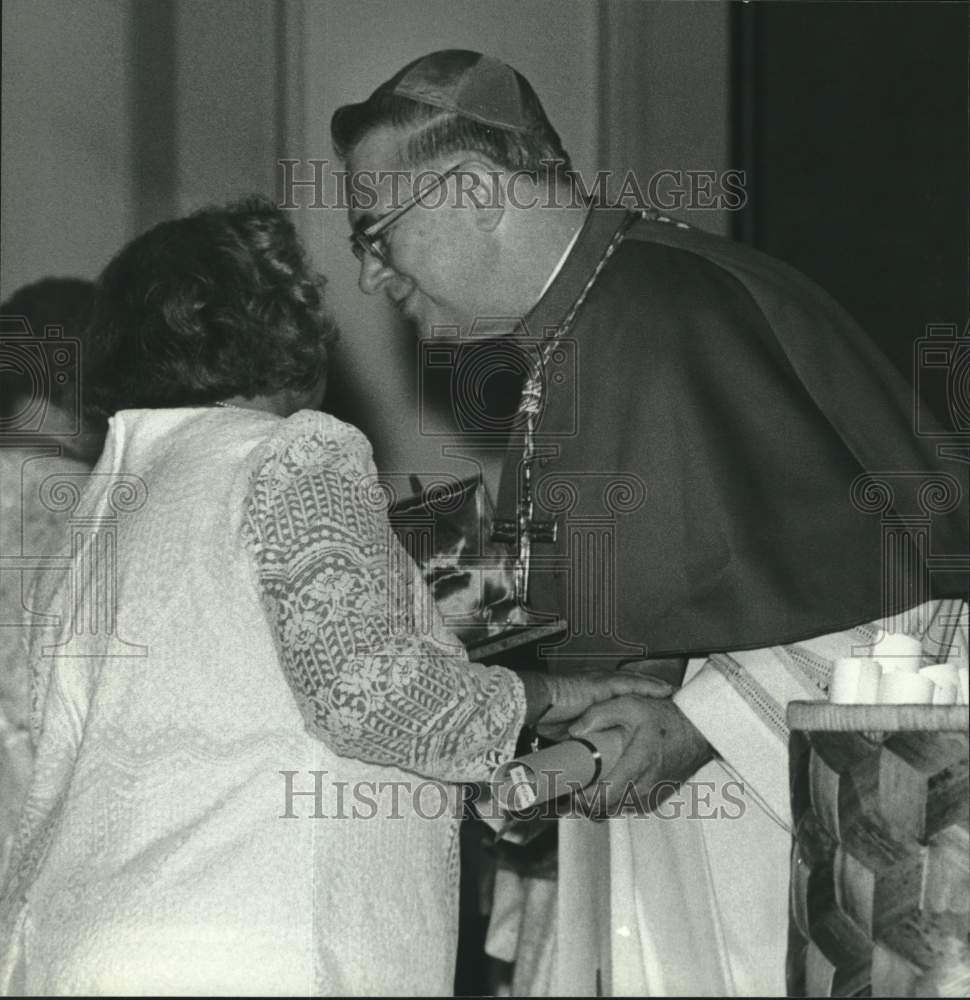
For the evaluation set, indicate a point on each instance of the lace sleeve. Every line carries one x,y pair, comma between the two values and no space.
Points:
346,604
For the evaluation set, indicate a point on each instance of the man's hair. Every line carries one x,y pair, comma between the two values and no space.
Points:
219,304
64,303
434,132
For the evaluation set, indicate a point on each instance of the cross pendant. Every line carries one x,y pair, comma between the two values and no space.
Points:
537,531
524,531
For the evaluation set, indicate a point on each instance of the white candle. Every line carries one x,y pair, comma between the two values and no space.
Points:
902,688
946,679
963,684
898,651
855,681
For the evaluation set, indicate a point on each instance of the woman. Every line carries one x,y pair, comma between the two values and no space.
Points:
231,735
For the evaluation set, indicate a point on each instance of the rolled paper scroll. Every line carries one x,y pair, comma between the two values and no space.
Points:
855,681
526,783
557,770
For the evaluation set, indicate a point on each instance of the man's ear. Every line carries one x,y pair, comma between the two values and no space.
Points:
481,186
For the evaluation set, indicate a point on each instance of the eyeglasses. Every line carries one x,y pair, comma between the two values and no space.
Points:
370,240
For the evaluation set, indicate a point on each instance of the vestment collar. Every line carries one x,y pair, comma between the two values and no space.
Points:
591,243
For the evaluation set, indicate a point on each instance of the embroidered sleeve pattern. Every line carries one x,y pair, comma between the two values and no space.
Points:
350,614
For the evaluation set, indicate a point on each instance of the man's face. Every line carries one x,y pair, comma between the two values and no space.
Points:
439,265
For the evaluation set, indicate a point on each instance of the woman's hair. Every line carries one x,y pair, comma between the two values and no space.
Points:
219,304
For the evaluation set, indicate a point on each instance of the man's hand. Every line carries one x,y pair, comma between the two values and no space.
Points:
661,749
562,698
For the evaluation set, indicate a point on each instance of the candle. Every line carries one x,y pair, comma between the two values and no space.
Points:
898,651
855,681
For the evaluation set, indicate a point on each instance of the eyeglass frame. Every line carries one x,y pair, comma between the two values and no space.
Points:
364,241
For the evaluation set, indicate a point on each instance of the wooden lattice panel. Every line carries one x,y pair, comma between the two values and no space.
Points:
880,878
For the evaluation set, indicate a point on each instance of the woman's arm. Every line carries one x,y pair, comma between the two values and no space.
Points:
352,619
357,632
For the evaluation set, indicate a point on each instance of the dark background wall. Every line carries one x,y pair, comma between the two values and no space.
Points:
851,121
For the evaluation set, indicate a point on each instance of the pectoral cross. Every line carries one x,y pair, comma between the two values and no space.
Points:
525,529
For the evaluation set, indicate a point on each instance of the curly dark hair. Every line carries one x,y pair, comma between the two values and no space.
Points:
219,304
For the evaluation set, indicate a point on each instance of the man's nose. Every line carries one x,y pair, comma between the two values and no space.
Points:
373,274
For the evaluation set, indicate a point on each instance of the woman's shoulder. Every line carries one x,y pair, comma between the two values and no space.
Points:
309,440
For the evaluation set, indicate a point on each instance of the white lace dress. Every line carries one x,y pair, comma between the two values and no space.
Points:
244,777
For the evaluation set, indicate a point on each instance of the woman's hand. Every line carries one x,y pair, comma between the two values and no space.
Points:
561,698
